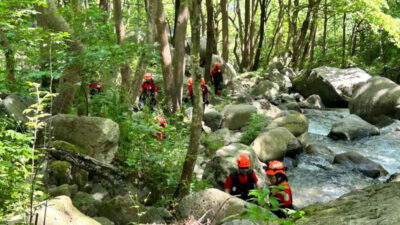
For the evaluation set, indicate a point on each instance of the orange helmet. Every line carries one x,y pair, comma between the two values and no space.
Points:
243,160
190,81
148,76
203,82
275,167
160,119
216,64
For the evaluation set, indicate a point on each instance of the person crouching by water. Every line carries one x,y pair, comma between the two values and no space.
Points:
241,181
277,177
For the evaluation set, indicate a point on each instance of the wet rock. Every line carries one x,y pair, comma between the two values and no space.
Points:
321,150
275,143
294,106
97,136
236,116
213,119
224,162
376,101
352,127
355,161
333,85
394,178
211,204
295,122
376,204
312,102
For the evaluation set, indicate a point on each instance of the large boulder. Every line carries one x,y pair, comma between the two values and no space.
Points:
266,108
14,106
312,102
236,116
355,161
212,119
376,101
275,143
333,85
211,204
265,88
279,78
60,211
321,151
229,73
295,122
97,136
224,162
218,139
375,204
352,127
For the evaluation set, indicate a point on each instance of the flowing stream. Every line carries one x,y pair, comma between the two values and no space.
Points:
313,179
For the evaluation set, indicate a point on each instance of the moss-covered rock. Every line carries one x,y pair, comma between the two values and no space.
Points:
80,177
266,89
65,145
60,190
85,203
295,122
216,140
103,221
60,172
352,127
236,116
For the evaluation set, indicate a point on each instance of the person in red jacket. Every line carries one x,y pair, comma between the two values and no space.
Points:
241,181
149,91
204,91
277,177
162,124
216,78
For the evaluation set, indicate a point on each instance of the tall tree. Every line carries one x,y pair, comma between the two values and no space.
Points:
179,56
166,62
263,19
195,132
68,83
210,39
325,30
103,5
309,46
10,59
344,40
279,29
225,30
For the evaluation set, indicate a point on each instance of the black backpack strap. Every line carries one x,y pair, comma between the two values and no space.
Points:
235,178
250,178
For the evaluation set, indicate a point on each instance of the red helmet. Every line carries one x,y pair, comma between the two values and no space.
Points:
160,119
275,167
190,81
217,64
243,161
148,76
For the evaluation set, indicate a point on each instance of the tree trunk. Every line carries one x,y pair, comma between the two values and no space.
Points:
191,155
325,30
103,5
10,60
344,41
179,56
353,44
210,39
225,31
177,12
165,51
310,42
279,29
203,19
290,33
293,24
68,83
125,69
246,41
263,19
252,38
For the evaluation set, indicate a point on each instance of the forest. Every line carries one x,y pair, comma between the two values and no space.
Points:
139,111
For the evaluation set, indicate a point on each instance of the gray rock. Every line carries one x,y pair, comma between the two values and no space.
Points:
266,88
312,102
275,143
266,108
103,221
236,116
240,222
290,106
98,136
352,127
356,161
376,204
60,190
217,139
224,162
333,85
85,203
394,178
321,150
376,101
211,204
295,122
212,119
14,106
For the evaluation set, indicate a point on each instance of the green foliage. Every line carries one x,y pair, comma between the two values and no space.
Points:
254,126
266,203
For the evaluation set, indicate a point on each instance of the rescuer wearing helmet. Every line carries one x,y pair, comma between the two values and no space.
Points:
216,78
242,180
204,91
149,91
162,124
277,177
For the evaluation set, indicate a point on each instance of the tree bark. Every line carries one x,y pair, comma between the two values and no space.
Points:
103,5
263,19
10,60
210,39
325,30
290,32
344,41
177,12
246,41
165,51
191,155
68,83
179,56
310,42
354,34
225,31
279,29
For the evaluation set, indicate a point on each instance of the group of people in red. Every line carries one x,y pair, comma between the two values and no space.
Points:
241,181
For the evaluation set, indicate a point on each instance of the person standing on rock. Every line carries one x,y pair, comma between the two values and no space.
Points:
277,177
240,182
216,78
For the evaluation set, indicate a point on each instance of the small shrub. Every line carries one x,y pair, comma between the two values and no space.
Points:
255,125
